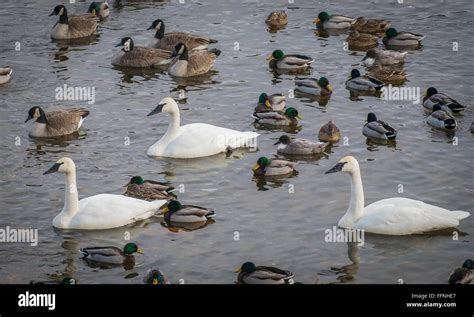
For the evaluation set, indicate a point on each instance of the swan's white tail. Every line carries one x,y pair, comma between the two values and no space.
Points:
459,214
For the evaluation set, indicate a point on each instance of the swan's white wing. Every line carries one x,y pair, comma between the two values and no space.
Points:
110,211
399,216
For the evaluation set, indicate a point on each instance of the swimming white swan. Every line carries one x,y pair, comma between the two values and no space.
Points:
196,139
392,216
102,211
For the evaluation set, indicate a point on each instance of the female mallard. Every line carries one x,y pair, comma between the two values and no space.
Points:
404,40
155,276
249,273
55,123
388,75
5,74
99,9
464,274
329,133
326,21
433,97
371,26
111,255
363,83
275,102
139,56
72,27
278,60
188,64
313,86
148,190
273,167
441,119
277,19
361,41
383,58
378,129
169,40
278,118
175,212
299,146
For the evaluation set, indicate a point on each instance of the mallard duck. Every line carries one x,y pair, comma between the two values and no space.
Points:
273,167
278,60
464,274
383,58
139,56
169,40
148,190
194,63
441,119
99,9
387,74
433,97
275,102
363,83
361,41
405,40
249,273
329,133
299,146
155,276
5,74
278,118
66,280
55,123
175,212
313,86
111,255
371,26
378,129
72,27
326,21
277,19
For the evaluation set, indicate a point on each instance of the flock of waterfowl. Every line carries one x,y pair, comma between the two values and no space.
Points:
186,55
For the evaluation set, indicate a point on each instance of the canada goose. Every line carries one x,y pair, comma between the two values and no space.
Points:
378,129
405,40
313,86
275,102
155,277
278,60
5,74
148,190
287,146
74,26
441,119
326,21
99,9
391,216
175,212
361,41
277,19
55,123
139,56
379,57
273,167
329,133
371,26
249,273
464,274
169,41
188,64
363,83
111,255
433,97
278,118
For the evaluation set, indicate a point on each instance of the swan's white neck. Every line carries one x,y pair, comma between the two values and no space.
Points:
356,205
173,126
71,200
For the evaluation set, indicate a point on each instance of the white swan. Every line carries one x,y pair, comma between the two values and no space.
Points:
196,139
102,211
392,216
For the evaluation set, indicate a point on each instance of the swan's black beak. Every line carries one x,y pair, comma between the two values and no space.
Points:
158,109
53,168
28,119
337,168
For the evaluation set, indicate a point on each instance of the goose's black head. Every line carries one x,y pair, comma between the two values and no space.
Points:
127,44
181,50
36,113
159,25
62,12
371,117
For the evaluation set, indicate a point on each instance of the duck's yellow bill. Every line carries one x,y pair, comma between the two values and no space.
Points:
155,281
316,21
255,167
329,87
165,210
93,12
269,58
238,270
268,104
139,250
299,117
